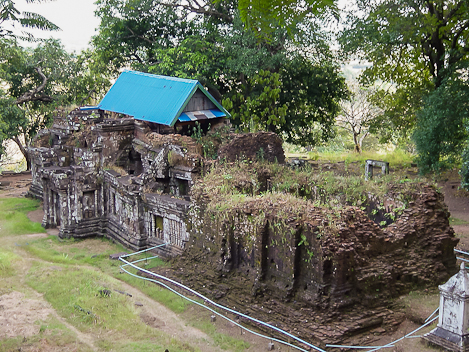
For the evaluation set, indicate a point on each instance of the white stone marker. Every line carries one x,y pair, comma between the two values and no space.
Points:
452,331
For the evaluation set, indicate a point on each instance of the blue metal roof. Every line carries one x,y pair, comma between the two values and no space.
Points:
159,99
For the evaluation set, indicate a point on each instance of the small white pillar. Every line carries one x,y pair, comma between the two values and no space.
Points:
452,331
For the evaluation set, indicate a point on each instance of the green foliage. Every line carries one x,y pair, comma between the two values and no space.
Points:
271,84
13,219
37,81
465,167
230,188
441,136
267,15
9,14
256,105
402,39
312,92
133,31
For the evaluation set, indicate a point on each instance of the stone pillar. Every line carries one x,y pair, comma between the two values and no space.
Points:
452,331
368,171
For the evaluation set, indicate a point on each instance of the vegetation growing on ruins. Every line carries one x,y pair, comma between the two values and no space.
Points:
230,184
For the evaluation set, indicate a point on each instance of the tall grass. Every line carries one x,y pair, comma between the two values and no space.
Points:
396,158
13,216
6,260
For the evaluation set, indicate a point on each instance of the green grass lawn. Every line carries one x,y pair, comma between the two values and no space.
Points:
7,260
396,158
13,216
70,274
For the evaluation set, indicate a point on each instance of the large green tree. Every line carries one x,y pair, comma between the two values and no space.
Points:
206,40
265,16
442,135
414,46
38,80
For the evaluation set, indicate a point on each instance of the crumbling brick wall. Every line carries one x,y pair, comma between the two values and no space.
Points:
329,272
289,248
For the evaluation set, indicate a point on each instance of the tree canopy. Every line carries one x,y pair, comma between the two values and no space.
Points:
265,16
37,81
442,135
410,44
416,47
208,41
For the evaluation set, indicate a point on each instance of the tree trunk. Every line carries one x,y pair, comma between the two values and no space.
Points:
23,151
358,147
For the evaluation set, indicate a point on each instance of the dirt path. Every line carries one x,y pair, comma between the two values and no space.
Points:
22,307
20,311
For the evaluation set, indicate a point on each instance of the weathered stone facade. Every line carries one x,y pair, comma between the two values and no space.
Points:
114,176
329,271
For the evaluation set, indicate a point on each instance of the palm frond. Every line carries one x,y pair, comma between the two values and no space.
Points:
34,20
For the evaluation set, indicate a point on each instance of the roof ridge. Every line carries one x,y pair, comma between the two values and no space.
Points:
168,78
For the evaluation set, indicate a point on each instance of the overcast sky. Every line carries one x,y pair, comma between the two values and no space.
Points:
75,18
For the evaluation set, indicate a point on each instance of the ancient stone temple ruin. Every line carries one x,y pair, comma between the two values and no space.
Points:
121,169
128,170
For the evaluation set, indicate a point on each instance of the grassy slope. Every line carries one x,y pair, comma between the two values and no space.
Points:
70,274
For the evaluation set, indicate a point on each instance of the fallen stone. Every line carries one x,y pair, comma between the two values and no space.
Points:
117,255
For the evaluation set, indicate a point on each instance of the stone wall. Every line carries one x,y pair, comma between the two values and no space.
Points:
102,175
329,272
332,258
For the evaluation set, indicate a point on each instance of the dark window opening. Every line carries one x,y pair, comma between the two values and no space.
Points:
135,165
183,186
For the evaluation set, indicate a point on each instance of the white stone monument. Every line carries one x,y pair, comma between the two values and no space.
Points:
452,331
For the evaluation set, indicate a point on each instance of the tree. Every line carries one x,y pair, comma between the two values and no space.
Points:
465,165
442,133
9,14
39,80
312,92
265,16
414,46
358,113
207,41
411,44
256,105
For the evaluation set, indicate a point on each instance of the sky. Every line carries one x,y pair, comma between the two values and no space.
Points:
75,18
